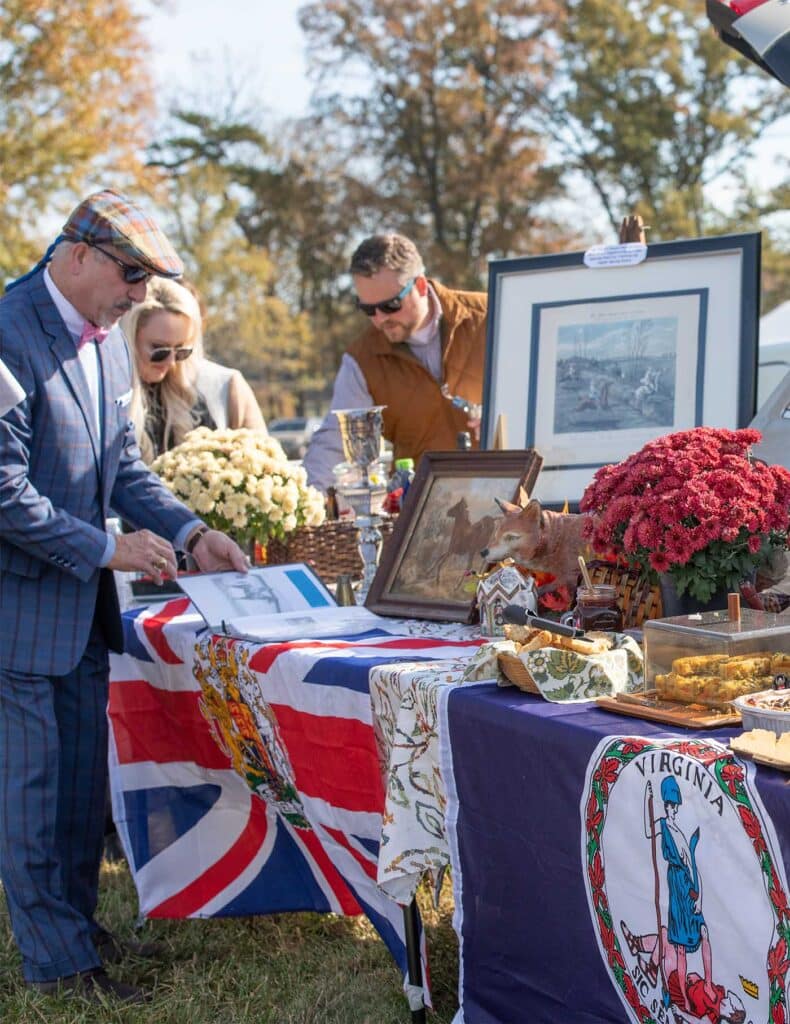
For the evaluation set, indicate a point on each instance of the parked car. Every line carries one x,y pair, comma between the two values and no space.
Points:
294,433
774,360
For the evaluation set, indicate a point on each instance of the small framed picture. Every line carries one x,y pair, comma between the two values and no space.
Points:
589,363
446,521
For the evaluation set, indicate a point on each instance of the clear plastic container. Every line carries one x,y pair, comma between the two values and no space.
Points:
710,659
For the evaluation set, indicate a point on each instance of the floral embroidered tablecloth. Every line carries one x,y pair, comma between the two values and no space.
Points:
406,700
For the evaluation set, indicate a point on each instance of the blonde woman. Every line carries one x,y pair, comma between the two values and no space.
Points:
176,387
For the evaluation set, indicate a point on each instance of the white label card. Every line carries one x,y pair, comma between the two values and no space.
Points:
626,254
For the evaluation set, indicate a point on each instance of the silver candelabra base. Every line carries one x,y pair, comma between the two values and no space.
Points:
363,500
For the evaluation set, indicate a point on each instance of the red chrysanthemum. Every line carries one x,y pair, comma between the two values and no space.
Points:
691,499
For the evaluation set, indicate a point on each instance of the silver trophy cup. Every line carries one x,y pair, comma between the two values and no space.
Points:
360,432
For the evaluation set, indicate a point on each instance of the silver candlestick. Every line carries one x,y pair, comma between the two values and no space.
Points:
360,432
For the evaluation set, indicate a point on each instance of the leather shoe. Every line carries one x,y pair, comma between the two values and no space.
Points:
113,949
95,985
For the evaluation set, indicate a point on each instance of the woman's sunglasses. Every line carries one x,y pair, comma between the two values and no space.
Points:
130,272
160,355
388,305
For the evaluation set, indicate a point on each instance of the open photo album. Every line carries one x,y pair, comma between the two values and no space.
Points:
273,603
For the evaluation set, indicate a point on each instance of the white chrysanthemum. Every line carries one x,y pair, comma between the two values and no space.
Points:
240,480
234,477
204,504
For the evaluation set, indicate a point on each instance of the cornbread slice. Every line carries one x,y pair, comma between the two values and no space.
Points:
746,667
701,664
758,741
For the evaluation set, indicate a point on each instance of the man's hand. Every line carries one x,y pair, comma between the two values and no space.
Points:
144,551
215,552
473,425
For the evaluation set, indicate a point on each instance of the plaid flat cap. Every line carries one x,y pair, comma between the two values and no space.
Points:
109,218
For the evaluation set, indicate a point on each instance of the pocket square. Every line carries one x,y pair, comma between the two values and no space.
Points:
124,399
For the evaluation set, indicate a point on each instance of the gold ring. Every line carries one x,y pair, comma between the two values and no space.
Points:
159,563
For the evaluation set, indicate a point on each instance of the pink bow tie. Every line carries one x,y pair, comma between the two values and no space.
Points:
92,333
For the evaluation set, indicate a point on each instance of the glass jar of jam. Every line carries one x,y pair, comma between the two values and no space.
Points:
597,608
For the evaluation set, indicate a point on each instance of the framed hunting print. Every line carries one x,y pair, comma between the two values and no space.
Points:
589,363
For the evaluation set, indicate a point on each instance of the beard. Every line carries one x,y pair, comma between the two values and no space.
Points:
397,331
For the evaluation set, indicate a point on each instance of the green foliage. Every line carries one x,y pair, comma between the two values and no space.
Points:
721,566
439,128
651,107
248,324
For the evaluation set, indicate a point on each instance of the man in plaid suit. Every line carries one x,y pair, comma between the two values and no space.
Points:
68,456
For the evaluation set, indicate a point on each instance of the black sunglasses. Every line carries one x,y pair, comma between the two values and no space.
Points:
159,355
130,272
388,305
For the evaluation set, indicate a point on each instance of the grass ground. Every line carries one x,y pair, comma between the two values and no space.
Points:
282,969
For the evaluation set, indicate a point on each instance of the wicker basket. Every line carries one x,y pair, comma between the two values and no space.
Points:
329,549
515,670
638,599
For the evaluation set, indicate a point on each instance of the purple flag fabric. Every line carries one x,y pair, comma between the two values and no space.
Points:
578,837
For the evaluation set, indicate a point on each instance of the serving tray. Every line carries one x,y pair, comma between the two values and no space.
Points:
650,706
772,762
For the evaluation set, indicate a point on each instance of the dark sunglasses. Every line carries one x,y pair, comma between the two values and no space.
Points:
388,305
159,355
130,272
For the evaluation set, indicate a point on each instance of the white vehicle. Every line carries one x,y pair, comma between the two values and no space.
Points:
773,388
774,357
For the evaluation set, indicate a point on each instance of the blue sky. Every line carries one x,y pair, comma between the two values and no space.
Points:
196,41
198,44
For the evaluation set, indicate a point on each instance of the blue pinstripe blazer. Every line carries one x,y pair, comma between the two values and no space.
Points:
58,483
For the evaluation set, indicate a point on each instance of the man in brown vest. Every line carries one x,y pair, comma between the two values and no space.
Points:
421,356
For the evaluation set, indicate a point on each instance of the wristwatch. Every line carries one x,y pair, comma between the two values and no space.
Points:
191,544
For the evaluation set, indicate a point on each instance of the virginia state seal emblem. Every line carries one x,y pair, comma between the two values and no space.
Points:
685,883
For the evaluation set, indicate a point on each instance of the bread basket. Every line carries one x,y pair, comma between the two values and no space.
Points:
514,669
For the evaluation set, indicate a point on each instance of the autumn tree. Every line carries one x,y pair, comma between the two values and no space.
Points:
251,322
434,113
289,202
755,211
75,105
651,108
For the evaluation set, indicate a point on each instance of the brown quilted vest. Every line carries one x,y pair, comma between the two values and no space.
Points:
418,417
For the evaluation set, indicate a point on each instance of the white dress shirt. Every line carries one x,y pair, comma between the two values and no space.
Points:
11,392
88,355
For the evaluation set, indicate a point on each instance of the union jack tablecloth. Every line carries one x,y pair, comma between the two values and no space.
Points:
245,778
